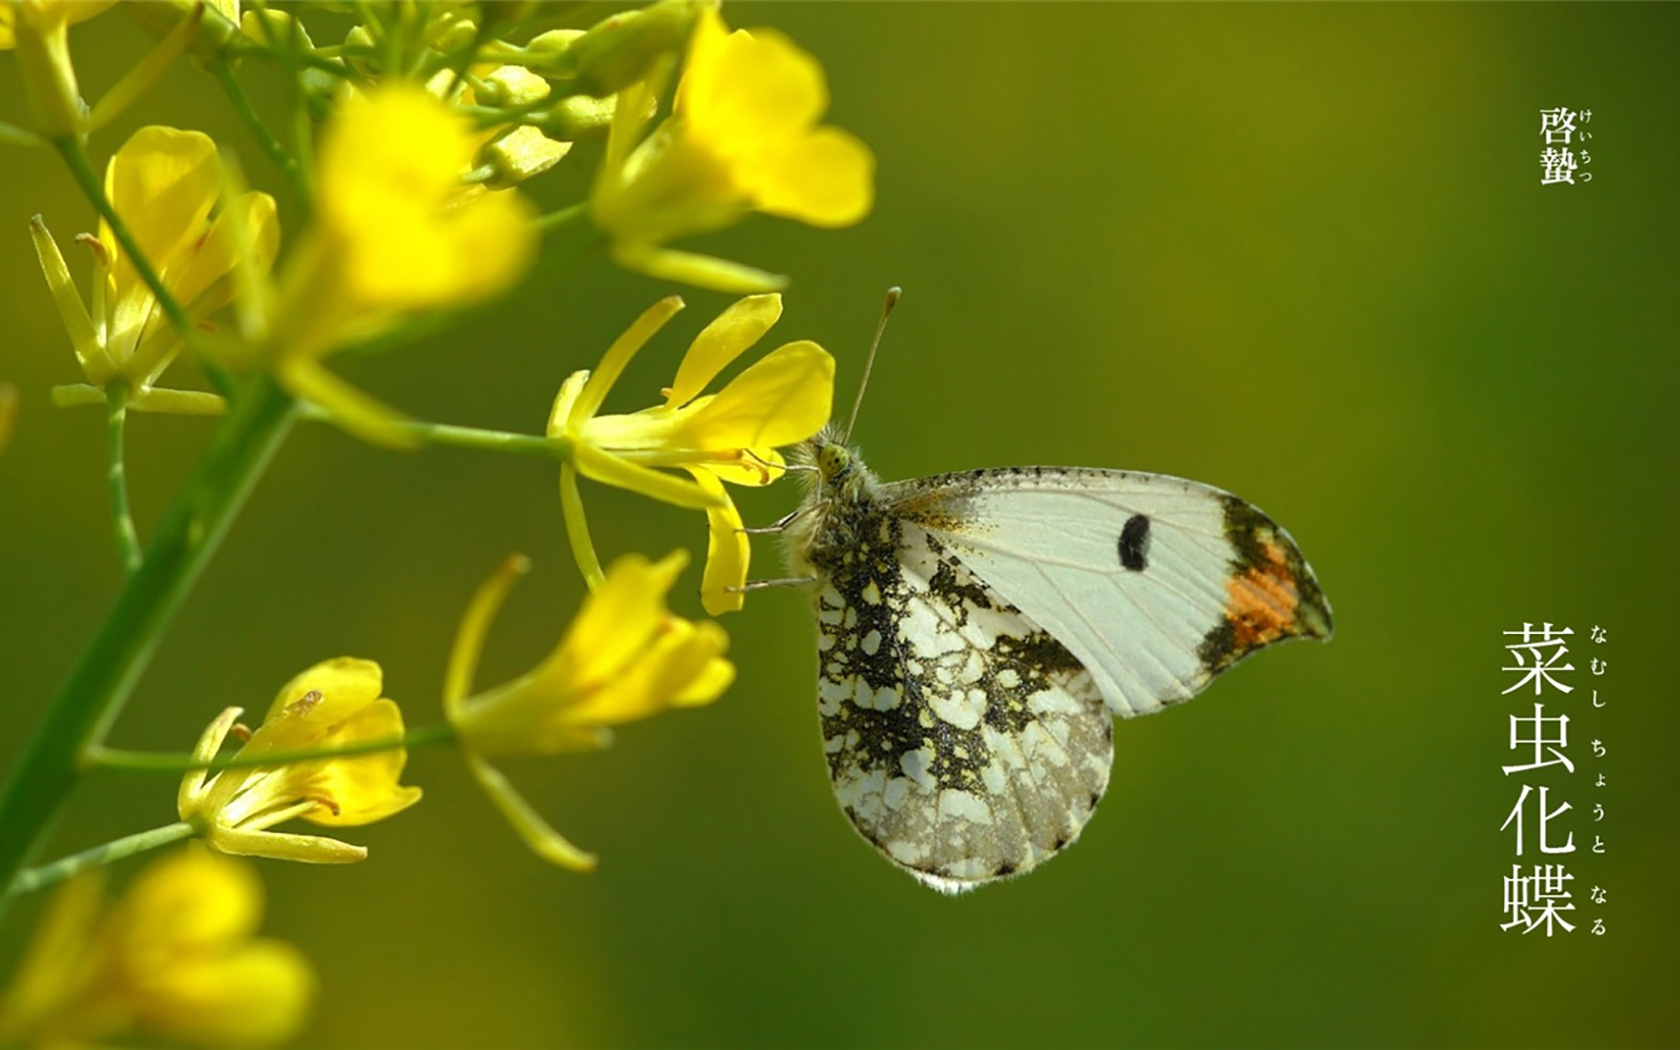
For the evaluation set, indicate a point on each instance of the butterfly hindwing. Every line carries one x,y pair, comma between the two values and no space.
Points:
1155,584
964,741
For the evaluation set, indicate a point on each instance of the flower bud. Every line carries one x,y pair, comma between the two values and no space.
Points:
618,51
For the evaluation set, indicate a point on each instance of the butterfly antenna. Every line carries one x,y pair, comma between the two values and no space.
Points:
886,311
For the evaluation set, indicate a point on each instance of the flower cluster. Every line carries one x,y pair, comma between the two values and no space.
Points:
390,202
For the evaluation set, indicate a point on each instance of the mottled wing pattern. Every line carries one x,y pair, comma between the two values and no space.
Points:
964,741
1154,584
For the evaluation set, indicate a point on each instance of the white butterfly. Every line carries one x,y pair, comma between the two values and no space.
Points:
978,631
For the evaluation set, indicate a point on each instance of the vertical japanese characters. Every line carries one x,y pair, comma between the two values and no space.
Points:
1541,897
1566,146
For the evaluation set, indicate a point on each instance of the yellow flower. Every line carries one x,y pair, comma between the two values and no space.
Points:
742,137
165,184
732,435
625,657
175,960
334,704
396,232
40,32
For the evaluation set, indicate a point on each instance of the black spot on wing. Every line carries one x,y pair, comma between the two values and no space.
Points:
1134,543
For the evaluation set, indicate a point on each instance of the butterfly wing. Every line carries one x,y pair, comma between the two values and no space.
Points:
1154,583
964,742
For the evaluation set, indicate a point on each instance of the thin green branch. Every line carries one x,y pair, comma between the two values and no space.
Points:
283,160
155,762
116,475
32,879
50,762
556,448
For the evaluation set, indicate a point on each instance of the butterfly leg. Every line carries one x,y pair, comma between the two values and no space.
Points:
780,524
759,585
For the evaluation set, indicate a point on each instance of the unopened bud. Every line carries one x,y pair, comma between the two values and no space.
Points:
521,154
511,86
580,118
620,50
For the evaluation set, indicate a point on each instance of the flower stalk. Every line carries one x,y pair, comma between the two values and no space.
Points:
32,879
116,475
54,757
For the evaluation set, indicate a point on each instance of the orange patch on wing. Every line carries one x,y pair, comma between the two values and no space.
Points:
1262,602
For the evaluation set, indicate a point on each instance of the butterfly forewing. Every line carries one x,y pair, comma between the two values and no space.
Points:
1154,583
963,740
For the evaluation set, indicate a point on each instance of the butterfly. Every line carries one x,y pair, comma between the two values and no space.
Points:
979,631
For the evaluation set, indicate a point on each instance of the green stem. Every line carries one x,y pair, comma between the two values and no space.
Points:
32,879
287,164
466,437
116,475
153,762
51,761
76,158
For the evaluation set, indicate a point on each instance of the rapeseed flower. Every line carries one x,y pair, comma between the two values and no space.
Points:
334,704
175,960
166,185
742,137
732,435
396,232
624,657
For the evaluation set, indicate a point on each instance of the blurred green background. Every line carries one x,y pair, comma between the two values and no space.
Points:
1300,252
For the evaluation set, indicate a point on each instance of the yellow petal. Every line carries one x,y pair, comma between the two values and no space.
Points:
163,182
201,285
756,86
190,900
728,552
258,994
367,418
177,402
755,467
826,178
306,849
388,154
701,271
619,617
96,363
683,653
54,972
605,467
588,401
564,399
784,398
737,328
475,624
346,685
209,743
706,686
547,843
464,254
364,788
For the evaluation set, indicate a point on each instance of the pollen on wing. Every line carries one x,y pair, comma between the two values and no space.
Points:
1263,599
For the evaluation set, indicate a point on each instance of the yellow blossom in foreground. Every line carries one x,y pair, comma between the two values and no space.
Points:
165,184
396,232
625,657
334,704
781,399
742,137
175,960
